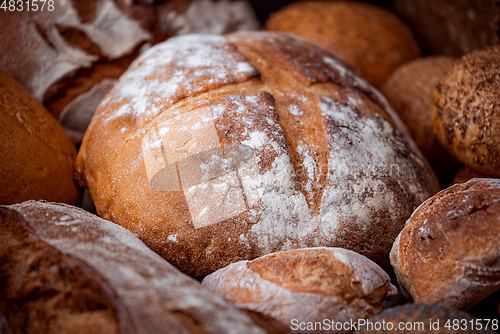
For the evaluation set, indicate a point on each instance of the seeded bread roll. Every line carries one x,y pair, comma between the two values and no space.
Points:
466,110
65,270
37,158
369,38
424,319
217,149
449,251
410,91
69,56
306,285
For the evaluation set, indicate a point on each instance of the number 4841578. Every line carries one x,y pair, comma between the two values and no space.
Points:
27,5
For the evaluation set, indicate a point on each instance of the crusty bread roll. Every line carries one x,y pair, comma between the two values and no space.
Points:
36,156
424,319
410,91
369,38
70,57
466,110
217,149
306,286
449,251
64,270
451,27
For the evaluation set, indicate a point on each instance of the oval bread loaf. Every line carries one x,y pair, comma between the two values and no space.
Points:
216,149
65,270
306,286
449,251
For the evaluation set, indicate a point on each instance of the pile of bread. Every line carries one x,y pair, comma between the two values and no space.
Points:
314,173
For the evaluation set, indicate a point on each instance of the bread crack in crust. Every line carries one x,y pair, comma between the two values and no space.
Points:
214,149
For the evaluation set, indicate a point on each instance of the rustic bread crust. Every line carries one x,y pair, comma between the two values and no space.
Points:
466,109
307,285
448,253
369,38
66,270
410,91
37,157
292,111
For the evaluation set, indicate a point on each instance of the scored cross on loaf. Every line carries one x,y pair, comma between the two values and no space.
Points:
214,149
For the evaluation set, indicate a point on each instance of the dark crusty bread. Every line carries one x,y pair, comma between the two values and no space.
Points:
70,57
36,156
449,251
306,285
369,38
451,27
424,319
217,149
64,270
466,110
410,91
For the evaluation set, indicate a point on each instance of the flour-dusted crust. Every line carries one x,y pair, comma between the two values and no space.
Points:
465,112
67,270
217,149
68,58
448,253
37,158
308,285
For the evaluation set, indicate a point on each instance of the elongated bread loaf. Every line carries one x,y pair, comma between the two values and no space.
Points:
64,270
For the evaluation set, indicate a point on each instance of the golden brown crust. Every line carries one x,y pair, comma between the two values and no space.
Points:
448,253
465,113
292,114
418,318
308,285
370,39
37,156
410,91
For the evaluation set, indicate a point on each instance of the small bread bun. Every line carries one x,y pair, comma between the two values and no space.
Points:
466,173
218,149
466,110
424,319
369,38
64,270
306,285
37,158
449,251
410,91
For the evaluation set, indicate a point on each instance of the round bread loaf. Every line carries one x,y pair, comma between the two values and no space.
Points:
410,91
37,158
369,38
217,149
466,110
305,286
465,174
449,251
424,319
70,57
64,270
